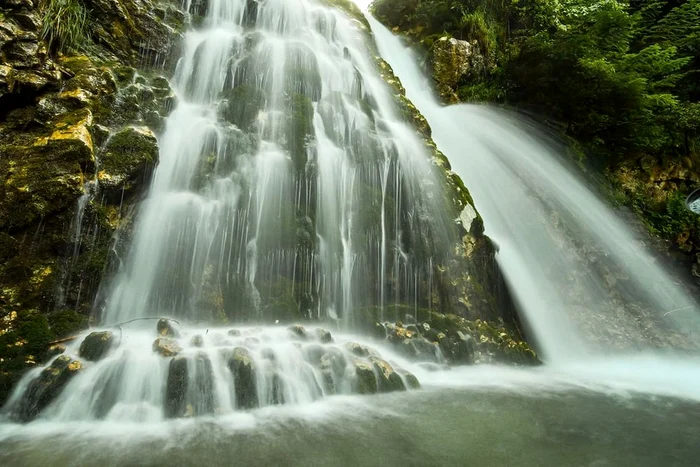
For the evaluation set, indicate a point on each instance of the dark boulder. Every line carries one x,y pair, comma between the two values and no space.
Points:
244,371
96,345
46,387
176,388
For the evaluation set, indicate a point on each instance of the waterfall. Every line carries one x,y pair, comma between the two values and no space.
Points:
584,281
286,184
289,188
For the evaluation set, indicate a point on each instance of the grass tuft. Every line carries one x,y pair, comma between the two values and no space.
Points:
64,24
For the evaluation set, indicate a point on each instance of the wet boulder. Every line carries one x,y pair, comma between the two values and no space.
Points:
365,380
356,349
313,354
234,332
323,336
244,371
166,346
176,388
298,332
410,380
458,348
96,345
165,328
46,387
56,349
334,361
387,379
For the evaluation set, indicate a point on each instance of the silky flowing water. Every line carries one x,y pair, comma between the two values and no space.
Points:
285,172
585,282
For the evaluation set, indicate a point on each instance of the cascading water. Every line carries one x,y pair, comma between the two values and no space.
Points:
286,183
584,282
287,188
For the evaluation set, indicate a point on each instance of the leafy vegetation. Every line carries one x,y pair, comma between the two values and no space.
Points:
64,24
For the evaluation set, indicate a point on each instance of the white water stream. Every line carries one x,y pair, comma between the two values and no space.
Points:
584,282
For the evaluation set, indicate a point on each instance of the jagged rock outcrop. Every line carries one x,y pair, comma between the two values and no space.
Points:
452,61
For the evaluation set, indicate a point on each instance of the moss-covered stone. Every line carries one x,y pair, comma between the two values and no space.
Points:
127,161
96,345
46,387
388,380
365,379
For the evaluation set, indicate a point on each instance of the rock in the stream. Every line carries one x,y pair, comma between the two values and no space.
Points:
46,387
297,331
197,341
166,346
410,380
96,345
365,380
244,373
324,336
165,328
176,388
357,349
387,379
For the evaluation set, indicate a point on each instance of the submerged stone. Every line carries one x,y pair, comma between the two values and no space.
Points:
96,345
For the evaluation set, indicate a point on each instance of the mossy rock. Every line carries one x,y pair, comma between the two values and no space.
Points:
387,379
96,345
46,387
365,380
129,157
165,328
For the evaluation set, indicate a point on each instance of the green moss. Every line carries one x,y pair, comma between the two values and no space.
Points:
66,322
128,152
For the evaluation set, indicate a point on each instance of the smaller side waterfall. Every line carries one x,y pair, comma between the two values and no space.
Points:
585,283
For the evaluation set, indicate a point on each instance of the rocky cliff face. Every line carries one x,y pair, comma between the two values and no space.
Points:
77,139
